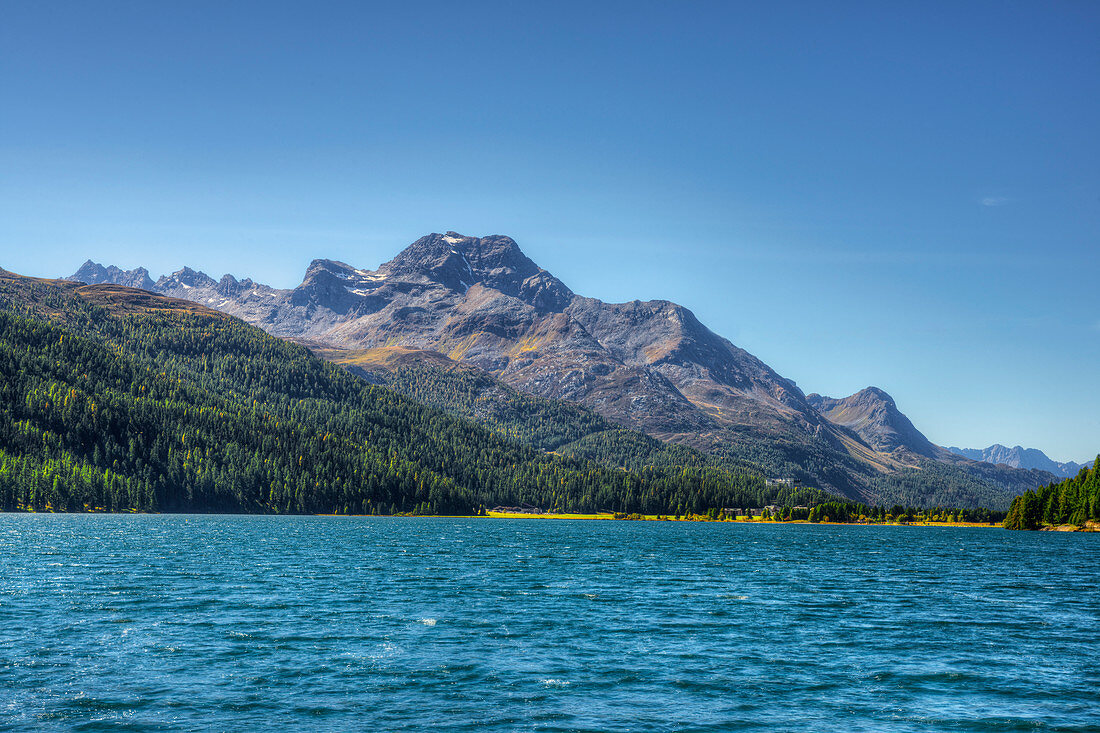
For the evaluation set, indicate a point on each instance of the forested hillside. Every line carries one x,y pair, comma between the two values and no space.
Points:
570,429
649,366
1073,501
118,399
543,423
937,484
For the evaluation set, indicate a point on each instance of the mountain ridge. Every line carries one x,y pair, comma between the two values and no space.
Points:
650,365
119,399
874,415
1020,457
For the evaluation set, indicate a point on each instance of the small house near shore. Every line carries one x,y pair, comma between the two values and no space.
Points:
790,483
738,512
523,509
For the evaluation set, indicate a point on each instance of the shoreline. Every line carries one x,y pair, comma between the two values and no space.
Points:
600,516
704,519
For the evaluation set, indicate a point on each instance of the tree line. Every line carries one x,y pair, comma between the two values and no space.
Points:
1075,500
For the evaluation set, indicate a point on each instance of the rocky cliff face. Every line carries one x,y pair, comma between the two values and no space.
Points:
650,365
482,301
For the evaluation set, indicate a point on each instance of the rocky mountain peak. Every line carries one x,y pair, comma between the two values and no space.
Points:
457,262
437,257
330,284
338,269
90,272
873,395
874,416
873,400
229,286
94,273
187,278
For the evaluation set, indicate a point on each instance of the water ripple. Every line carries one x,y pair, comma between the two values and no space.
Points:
329,623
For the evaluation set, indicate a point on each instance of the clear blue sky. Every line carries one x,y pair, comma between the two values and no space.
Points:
898,194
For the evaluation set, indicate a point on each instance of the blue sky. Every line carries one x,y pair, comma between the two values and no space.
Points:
898,194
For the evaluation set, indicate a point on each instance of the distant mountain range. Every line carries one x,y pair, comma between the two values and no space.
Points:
1020,457
647,365
92,273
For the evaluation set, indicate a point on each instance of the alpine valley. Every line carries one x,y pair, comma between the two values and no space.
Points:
472,326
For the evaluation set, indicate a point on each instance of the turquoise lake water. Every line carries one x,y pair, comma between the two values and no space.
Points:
333,623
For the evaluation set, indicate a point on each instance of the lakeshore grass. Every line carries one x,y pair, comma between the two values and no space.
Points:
705,518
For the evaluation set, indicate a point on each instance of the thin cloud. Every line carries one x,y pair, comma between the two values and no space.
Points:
994,201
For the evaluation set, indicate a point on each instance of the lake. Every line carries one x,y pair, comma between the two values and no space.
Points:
164,622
